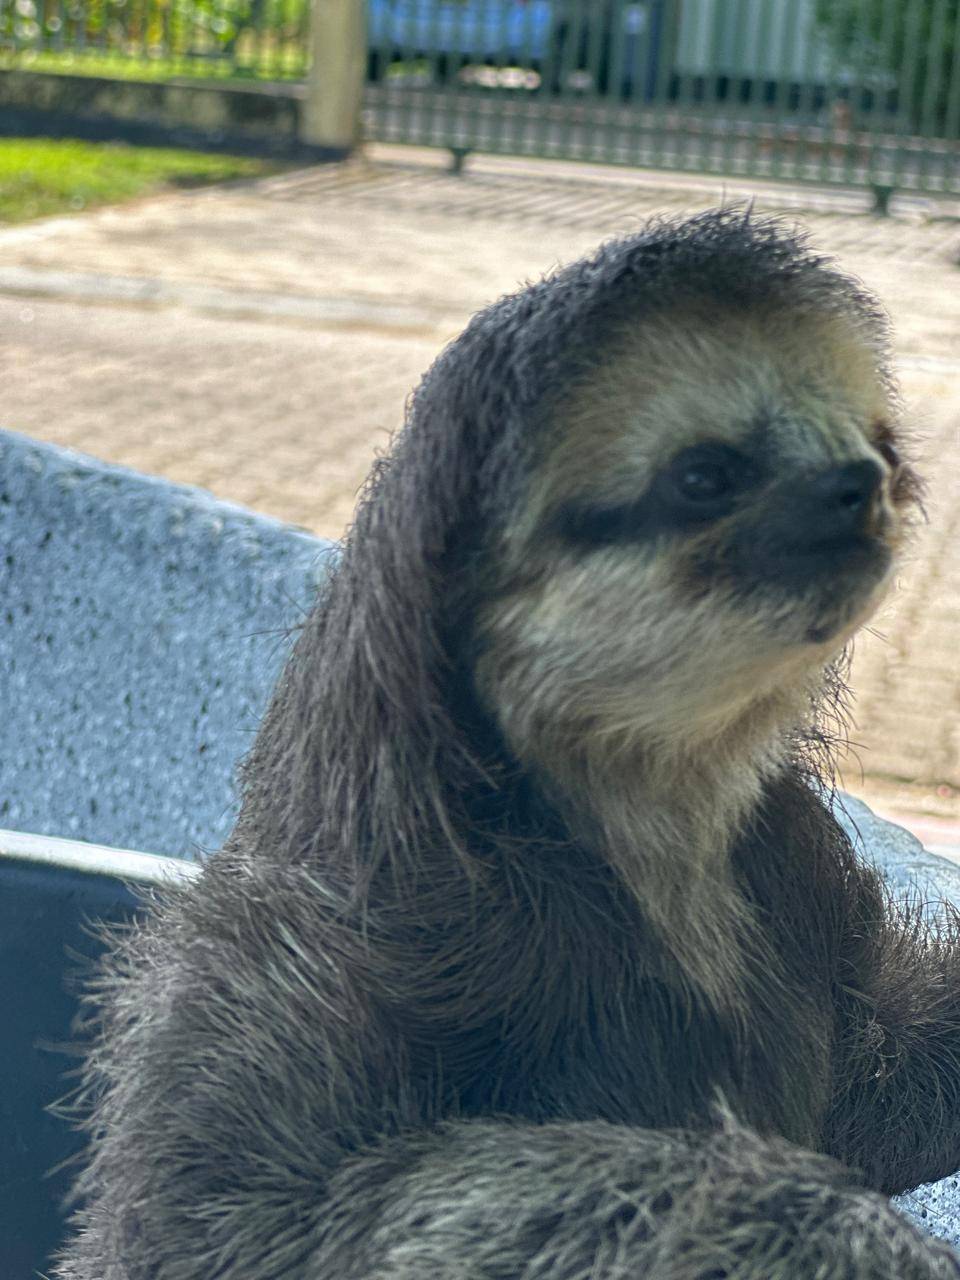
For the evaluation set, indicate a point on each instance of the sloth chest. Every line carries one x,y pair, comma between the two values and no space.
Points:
638,1055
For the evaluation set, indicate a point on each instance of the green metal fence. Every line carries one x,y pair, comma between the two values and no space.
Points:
856,92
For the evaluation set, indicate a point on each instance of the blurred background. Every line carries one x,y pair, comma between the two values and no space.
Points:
233,234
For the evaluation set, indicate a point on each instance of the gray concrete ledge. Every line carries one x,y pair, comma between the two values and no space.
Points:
909,868
142,625
259,119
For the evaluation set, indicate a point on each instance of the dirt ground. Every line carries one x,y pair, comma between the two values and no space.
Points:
260,340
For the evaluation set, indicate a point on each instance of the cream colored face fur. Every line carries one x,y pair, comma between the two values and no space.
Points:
627,646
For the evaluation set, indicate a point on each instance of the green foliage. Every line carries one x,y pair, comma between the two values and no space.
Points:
905,52
42,177
258,36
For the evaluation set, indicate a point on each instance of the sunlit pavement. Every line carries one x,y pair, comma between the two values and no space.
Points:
260,340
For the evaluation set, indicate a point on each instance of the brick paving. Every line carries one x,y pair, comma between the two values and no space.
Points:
260,339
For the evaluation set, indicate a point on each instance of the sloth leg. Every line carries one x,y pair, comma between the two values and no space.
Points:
895,1114
491,1200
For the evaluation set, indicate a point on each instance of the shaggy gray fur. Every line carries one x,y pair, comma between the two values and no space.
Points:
406,1026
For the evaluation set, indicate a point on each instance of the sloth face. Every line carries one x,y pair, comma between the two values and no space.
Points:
717,507
815,538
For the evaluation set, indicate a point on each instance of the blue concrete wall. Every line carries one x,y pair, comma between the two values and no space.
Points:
142,625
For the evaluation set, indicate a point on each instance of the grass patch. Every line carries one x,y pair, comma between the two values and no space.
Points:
41,177
249,62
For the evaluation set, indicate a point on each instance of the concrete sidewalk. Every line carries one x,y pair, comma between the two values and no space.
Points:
260,340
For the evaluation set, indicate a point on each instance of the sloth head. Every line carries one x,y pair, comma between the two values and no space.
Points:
715,503
637,510
635,513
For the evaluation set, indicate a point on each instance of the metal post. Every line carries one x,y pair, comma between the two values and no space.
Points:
330,118
882,196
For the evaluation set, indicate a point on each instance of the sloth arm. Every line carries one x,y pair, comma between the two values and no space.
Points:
895,1112
259,1119
494,1200
267,1108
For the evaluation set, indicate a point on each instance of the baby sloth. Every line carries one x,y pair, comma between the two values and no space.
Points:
536,952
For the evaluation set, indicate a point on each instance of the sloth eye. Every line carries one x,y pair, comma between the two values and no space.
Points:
700,484
704,482
705,479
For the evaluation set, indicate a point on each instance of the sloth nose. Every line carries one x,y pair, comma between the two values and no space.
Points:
825,523
843,499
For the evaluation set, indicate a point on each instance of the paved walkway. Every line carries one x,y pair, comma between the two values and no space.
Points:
260,339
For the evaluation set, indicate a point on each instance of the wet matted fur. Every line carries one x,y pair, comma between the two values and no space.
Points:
536,953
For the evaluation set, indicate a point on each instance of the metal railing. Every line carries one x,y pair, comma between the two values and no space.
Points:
857,92
265,39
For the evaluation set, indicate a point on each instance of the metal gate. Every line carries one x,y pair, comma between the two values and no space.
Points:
861,92
853,92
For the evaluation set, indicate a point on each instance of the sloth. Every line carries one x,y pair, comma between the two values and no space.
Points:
536,952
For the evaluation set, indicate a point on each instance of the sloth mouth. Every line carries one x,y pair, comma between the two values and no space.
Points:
820,542
830,581
838,578
831,563
831,560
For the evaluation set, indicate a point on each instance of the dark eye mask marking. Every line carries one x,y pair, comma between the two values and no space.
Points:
700,485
